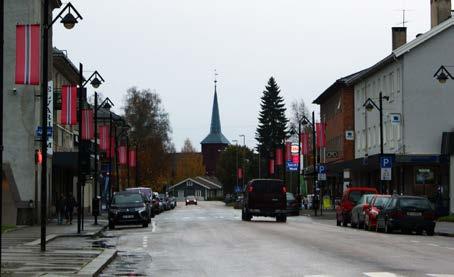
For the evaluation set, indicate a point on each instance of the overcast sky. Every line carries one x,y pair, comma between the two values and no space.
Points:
173,47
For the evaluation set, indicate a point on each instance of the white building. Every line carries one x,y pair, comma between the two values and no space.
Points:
418,112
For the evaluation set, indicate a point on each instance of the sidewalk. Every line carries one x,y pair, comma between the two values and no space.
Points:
67,252
445,229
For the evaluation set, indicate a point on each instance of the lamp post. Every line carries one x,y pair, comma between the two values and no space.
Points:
442,74
244,157
370,105
2,19
236,166
83,156
306,121
107,104
68,21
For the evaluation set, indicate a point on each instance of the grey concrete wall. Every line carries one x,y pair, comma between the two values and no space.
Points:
427,105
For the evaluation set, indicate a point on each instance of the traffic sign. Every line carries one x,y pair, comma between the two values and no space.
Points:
292,166
321,168
39,131
386,174
386,162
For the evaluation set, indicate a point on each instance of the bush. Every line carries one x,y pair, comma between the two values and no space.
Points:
449,218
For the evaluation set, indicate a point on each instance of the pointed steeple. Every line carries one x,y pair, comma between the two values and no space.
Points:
215,136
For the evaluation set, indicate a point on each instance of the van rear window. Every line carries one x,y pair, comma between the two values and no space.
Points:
267,186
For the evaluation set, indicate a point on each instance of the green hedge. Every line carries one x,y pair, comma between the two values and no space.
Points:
449,218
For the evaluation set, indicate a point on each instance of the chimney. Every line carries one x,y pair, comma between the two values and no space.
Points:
440,11
399,36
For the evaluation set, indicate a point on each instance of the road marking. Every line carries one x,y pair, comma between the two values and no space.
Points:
316,276
153,226
441,275
415,241
433,244
380,274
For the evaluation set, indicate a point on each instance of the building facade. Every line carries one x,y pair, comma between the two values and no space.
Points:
203,188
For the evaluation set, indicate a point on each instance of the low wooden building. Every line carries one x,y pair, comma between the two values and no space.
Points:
203,188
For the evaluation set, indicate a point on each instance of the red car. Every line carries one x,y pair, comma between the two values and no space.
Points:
349,200
377,203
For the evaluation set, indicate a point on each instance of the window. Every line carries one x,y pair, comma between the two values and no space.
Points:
368,138
198,193
358,141
398,80
391,84
385,125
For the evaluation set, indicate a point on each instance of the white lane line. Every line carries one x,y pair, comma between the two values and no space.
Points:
440,275
316,276
380,274
153,226
433,244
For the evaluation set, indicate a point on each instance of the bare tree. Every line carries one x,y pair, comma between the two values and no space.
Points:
298,109
188,147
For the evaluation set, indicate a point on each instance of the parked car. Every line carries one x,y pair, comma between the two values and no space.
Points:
228,198
293,206
191,200
239,202
350,199
165,202
155,203
265,197
148,193
407,213
173,202
359,210
129,207
377,204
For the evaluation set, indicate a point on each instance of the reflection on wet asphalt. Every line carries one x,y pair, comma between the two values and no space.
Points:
128,263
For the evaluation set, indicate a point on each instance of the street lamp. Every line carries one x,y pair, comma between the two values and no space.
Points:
69,23
306,122
236,167
442,74
244,157
369,105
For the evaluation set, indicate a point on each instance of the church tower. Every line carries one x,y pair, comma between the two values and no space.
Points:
215,142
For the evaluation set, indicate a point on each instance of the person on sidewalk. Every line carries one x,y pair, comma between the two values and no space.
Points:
70,204
60,206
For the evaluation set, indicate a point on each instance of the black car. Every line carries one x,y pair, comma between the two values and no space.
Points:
265,197
407,213
173,202
191,200
129,207
293,205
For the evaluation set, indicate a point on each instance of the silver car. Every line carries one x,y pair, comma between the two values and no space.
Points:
358,212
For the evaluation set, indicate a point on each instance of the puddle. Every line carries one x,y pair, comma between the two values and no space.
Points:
102,243
128,264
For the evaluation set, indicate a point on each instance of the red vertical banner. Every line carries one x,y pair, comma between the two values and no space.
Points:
288,151
321,136
104,137
305,143
88,131
132,158
28,47
240,173
271,167
122,159
279,158
68,105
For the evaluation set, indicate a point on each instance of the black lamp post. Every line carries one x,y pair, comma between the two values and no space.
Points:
306,121
370,105
244,158
68,21
83,153
107,104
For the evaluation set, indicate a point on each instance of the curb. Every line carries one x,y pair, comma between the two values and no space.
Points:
51,237
95,267
443,234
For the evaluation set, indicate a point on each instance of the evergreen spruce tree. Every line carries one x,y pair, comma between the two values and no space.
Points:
272,127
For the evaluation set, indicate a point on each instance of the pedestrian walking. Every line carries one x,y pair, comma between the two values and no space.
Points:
60,207
70,204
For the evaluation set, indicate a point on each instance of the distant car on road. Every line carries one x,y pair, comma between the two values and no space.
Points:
265,197
127,208
191,200
377,204
350,199
293,206
407,213
359,211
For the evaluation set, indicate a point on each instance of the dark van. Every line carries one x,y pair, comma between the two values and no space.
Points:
265,197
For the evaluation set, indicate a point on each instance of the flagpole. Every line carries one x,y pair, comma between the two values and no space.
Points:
95,174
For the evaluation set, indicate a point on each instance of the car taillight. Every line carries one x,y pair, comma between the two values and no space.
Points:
284,189
250,188
396,214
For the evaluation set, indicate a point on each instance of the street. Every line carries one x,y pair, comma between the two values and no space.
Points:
211,240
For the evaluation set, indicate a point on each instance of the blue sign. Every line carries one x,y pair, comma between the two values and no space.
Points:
322,169
39,131
386,162
238,189
292,166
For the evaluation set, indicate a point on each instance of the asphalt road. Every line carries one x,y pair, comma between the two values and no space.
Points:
211,240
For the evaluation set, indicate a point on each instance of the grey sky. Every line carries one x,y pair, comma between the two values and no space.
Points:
173,46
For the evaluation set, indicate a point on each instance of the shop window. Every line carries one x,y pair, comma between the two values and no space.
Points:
424,176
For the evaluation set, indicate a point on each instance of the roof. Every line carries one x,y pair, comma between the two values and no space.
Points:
207,182
65,66
215,136
342,82
397,53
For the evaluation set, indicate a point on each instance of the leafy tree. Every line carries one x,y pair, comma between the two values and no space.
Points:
272,127
188,147
187,164
226,168
150,129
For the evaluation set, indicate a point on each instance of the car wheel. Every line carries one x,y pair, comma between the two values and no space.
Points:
388,228
145,224
419,231
360,225
338,222
430,231
406,231
245,216
111,225
344,223
353,224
